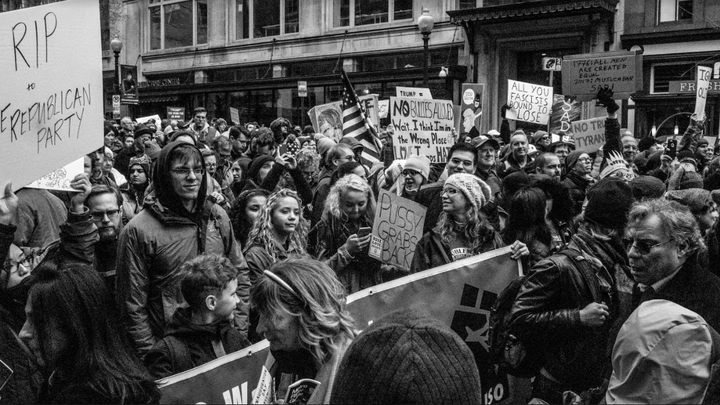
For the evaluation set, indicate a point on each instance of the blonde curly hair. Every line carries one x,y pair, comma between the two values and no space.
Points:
262,231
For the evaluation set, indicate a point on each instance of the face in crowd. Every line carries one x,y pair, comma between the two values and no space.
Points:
629,148
138,177
253,207
583,166
519,146
551,167
461,161
281,330
106,214
561,151
186,180
211,164
413,180
454,202
199,119
486,156
353,204
653,254
286,216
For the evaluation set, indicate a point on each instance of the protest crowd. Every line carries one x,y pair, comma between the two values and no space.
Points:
184,242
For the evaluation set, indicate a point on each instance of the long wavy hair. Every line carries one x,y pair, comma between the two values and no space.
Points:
262,232
318,304
350,182
241,224
477,229
526,218
73,299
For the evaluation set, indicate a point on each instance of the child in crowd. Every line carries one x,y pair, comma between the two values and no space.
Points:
203,331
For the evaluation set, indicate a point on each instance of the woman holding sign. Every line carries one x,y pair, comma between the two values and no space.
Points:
462,230
343,233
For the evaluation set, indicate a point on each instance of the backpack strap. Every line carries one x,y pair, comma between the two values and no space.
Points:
179,354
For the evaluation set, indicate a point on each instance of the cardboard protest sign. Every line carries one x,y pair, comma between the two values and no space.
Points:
584,75
703,85
589,134
460,294
564,111
176,113
383,107
51,102
422,127
145,120
473,96
397,228
60,179
234,115
529,102
413,92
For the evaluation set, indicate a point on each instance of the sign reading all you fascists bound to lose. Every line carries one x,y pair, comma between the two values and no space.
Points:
51,101
584,75
422,127
529,102
396,230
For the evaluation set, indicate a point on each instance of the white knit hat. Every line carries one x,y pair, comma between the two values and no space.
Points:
475,190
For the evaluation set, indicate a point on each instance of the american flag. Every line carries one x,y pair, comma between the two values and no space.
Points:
356,124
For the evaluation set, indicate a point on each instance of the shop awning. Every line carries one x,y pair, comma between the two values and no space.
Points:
532,10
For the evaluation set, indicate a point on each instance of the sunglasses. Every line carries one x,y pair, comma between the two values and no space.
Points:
643,246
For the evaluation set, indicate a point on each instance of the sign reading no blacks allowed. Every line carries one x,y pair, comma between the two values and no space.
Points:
51,102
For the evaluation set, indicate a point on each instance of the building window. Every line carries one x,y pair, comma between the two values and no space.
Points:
350,13
675,10
176,23
266,18
466,4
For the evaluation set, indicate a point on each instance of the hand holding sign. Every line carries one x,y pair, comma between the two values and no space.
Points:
81,183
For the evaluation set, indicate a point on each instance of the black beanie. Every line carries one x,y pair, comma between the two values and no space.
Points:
609,202
407,357
647,187
256,165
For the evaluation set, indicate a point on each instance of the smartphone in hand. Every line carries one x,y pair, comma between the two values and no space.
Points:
671,148
364,231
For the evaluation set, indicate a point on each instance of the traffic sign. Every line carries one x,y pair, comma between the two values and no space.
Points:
302,88
552,64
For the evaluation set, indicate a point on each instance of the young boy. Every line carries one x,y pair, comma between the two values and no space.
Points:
203,331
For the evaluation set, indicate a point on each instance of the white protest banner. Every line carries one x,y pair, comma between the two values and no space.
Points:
60,179
529,102
459,294
589,134
703,84
234,115
397,228
422,127
383,107
51,89
144,120
584,75
413,92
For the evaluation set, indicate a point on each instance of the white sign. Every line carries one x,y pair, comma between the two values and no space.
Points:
529,102
302,89
413,92
60,179
51,97
234,115
422,127
703,84
144,120
383,106
552,64
589,134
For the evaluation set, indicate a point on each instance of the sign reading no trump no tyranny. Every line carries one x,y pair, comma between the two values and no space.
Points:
51,102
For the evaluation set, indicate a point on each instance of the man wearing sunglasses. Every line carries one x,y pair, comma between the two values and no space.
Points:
665,249
177,227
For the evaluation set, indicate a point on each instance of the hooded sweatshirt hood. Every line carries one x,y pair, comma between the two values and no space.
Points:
163,178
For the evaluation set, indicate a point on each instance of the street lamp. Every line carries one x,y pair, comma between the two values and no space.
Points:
116,46
425,23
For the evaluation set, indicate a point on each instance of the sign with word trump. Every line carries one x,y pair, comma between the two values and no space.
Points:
51,91
584,75
422,127
703,85
397,228
589,134
529,102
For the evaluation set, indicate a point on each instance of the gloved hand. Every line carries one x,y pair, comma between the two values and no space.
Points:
605,98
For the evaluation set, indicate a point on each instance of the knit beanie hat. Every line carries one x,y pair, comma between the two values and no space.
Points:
696,199
537,135
571,159
256,164
407,357
647,188
420,164
324,144
143,161
662,354
609,202
475,190
691,180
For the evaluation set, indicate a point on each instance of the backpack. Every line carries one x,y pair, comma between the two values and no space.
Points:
520,358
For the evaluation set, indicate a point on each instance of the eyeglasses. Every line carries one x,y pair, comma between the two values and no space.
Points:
450,191
185,172
409,172
585,160
100,215
643,246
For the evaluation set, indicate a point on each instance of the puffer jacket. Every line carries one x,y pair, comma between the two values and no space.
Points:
152,248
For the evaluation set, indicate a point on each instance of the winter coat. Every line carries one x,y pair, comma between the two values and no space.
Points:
577,186
320,193
197,341
39,216
432,252
259,259
154,245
